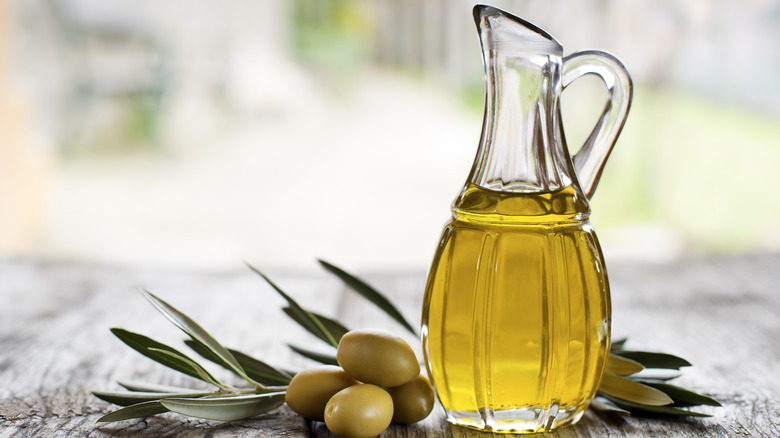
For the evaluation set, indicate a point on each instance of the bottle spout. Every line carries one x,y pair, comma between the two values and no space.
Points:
501,30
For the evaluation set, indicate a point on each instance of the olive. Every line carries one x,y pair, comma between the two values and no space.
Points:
360,411
377,357
413,401
309,391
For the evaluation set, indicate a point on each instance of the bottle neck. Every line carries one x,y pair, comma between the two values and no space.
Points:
522,148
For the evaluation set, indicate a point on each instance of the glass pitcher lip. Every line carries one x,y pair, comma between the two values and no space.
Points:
549,43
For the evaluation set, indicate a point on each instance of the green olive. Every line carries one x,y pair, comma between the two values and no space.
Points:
413,401
360,411
377,357
310,389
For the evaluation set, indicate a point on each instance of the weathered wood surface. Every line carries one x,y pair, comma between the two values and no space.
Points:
723,314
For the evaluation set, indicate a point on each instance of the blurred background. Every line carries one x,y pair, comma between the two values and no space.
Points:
199,134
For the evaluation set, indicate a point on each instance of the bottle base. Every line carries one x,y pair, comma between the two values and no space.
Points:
523,420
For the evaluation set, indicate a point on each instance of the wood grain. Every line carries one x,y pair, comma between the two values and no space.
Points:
720,313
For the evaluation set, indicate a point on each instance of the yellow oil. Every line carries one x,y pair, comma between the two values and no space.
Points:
516,316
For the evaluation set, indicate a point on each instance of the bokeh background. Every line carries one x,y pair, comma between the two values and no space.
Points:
199,134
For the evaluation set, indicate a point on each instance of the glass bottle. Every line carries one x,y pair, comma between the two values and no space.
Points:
516,315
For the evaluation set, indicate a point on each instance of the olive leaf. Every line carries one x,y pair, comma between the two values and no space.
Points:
683,397
617,344
205,375
321,331
659,378
630,393
633,391
654,360
334,327
226,408
151,387
139,410
197,333
605,405
324,358
665,410
271,374
256,369
369,293
622,366
174,360
125,398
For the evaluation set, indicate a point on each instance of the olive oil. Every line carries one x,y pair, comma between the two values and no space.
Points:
516,316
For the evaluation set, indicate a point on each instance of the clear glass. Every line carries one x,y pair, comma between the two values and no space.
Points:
516,317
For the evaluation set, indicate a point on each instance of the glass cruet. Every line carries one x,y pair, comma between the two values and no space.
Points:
516,314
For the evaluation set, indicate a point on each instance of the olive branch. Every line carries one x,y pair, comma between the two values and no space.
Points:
626,387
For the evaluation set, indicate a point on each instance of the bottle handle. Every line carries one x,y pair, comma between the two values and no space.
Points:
589,161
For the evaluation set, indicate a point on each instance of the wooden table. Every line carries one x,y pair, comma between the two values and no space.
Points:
722,314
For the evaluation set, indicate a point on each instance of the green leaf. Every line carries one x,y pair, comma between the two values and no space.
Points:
322,331
152,349
256,369
134,411
226,408
306,319
269,373
654,360
124,398
370,294
617,344
663,410
632,391
197,333
151,387
622,366
204,375
605,405
334,327
659,378
324,358
683,397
